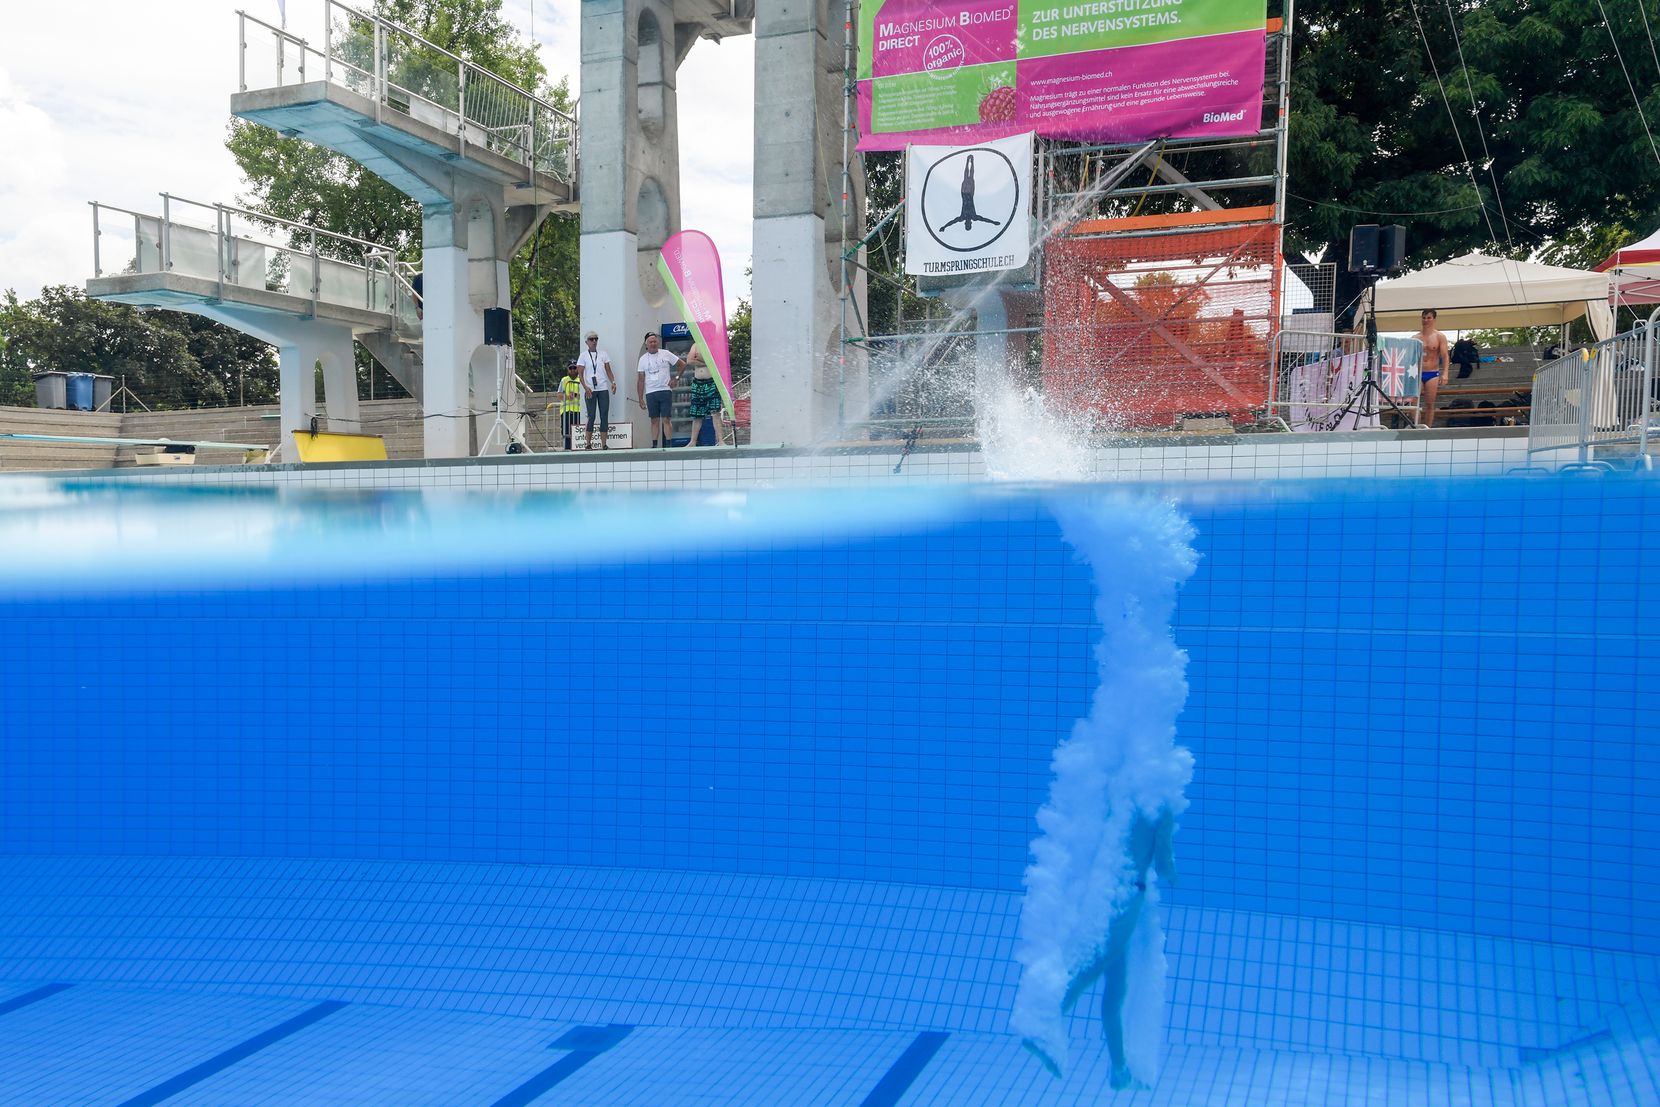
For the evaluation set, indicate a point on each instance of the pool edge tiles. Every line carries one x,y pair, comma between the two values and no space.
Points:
1408,455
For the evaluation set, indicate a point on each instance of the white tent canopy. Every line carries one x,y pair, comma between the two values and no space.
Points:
1481,291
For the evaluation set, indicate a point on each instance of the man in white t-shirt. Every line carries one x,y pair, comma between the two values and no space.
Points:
654,384
598,383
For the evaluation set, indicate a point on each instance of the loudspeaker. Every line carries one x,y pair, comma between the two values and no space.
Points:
1363,248
1375,249
1391,248
498,327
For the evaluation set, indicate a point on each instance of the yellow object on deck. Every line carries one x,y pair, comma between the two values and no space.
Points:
333,446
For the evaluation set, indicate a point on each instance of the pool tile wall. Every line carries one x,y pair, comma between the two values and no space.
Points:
1413,705
1240,458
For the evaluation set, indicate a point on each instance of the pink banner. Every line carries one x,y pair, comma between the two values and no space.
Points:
690,266
1102,70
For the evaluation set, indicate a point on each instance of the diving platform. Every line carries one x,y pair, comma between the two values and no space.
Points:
307,292
409,111
407,148
487,161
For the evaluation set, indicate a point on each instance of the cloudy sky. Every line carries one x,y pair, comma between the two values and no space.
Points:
119,100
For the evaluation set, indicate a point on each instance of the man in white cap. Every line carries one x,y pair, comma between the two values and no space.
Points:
598,384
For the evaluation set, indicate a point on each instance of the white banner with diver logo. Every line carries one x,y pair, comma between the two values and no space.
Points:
968,207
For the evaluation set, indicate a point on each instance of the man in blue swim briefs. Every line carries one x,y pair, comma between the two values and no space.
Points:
1436,360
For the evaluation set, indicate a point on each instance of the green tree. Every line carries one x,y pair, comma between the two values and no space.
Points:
739,339
1567,164
169,359
15,387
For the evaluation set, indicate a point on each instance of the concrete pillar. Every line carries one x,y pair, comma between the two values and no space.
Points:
450,331
303,345
464,272
630,177
340,388
808,386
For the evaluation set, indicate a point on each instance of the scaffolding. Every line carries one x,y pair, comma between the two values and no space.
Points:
1155,291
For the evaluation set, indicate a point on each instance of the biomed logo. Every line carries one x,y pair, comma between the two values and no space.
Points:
943,55
1224,116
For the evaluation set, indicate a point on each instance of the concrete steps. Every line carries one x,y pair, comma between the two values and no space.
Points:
399,422
226,424
24,456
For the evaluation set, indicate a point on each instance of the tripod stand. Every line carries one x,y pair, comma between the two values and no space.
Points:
513,443
123,394
1363,401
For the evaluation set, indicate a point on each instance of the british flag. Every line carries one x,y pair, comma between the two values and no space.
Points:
1398,361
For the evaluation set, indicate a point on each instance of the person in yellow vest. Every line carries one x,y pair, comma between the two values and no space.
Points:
570,408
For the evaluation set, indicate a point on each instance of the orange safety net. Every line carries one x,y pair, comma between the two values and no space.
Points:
1144,329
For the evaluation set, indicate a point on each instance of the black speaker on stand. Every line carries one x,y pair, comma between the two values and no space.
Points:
498,333
498,327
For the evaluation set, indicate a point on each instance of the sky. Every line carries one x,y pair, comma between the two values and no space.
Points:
120,100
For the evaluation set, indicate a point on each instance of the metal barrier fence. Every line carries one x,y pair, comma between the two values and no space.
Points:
244,249
398,69
1320,383
1603,395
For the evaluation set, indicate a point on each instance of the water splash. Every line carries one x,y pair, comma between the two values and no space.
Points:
974,301
1023,438
1091,907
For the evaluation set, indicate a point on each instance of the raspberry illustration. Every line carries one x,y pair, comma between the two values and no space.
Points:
998,105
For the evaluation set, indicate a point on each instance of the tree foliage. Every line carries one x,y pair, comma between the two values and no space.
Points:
1383,131
169,359
740,334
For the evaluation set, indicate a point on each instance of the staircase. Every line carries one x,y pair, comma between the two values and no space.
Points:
399,356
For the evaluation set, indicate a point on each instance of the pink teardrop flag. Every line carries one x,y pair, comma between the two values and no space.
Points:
691,268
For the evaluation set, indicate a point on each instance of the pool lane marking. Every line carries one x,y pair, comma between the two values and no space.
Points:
35,996
215,1065
898,1079
584,1042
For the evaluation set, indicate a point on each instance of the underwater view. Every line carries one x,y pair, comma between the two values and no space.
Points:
1293,792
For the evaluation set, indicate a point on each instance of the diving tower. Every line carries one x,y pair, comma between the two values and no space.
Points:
630,168
486,160
307,292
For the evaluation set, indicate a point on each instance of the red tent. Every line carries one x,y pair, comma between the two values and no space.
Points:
1634,272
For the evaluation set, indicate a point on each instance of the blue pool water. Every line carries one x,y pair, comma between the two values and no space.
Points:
728,798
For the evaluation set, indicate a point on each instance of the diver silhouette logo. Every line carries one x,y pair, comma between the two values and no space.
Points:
969,215
970,197
968,208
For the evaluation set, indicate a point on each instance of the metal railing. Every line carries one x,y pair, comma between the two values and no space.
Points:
1317,381
1603,395
238,248
399,70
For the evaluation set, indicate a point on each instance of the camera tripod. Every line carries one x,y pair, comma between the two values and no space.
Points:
1362,402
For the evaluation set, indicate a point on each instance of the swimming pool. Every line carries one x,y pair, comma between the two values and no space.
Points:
728,797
